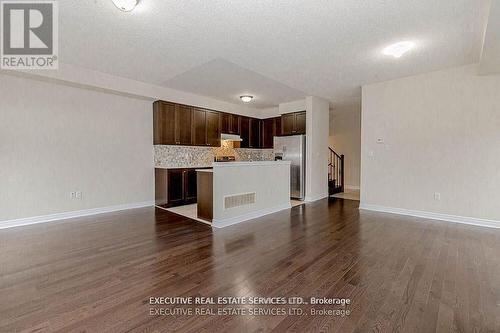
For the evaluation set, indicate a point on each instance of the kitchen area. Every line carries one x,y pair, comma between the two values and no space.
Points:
221,168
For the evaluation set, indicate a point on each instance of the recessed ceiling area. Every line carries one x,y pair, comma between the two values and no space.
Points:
226,81
323,48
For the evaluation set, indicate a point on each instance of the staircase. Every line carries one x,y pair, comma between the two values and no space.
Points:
335,172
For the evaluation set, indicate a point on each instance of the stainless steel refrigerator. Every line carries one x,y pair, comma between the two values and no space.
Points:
293,149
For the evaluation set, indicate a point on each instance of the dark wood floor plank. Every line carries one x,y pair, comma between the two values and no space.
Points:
96,274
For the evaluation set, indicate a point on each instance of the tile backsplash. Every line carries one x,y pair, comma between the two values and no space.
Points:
195,157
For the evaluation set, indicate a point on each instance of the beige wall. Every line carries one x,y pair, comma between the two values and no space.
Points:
441,133
56,139
345,138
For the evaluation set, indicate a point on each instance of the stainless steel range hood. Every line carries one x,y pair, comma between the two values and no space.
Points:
230,137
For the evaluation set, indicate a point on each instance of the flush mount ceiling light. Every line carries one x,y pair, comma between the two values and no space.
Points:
246,98
398,49
125,5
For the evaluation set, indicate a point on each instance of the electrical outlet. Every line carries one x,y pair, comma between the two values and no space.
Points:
72,195
437,196
78,195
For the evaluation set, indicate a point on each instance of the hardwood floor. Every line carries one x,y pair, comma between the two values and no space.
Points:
403,274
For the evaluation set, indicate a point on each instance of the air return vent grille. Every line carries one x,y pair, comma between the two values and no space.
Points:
239,200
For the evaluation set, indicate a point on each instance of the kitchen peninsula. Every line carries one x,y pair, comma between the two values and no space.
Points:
234,192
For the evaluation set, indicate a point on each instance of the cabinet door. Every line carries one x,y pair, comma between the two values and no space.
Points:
287,124
200,127
164,123
213,128
300,123
226,120
277,121
245,132
254,133
268,131
190,187
235,124
184,124
175,184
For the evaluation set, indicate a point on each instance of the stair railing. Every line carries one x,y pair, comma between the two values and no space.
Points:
335,172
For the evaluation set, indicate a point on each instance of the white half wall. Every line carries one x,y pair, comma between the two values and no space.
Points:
56,139
317,123
440,144
345,139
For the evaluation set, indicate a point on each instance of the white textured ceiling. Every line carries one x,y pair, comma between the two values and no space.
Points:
327,48
224,80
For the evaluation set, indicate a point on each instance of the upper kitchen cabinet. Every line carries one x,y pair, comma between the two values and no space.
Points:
278,126
183,124
268,132
230,124
250,132
206,127
172,124
300,122
213,128
293,123
164,123
245,132
254,133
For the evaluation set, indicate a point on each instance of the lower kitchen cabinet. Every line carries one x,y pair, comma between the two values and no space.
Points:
175,187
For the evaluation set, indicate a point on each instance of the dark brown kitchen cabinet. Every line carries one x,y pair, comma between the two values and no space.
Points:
172,124
200,127
250,132
254,133
300,123
164,123
183,124
190,188
293,123
213,129
230,123
175,187
245,132
268,132
206,127
278,126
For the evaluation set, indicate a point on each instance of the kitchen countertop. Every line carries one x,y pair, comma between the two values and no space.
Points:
184,167
247,163
205,170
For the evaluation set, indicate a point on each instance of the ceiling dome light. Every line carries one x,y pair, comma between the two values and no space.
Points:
125,5
398,49
246,98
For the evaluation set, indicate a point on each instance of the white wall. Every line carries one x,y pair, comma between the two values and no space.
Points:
345,138
442,134
89,79
317,117
240,178
56,139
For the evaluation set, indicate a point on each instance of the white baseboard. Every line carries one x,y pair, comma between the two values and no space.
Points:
72,214
221,223
432,216
352,187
